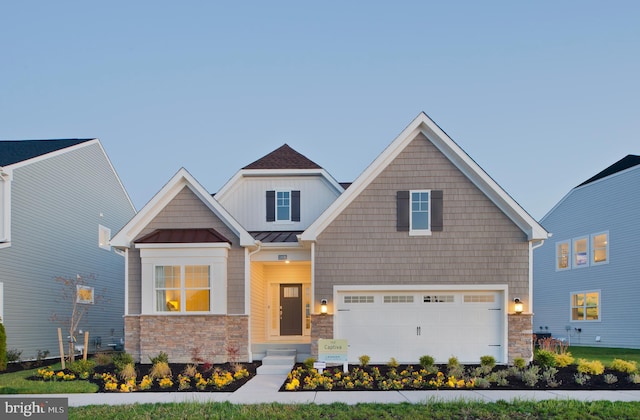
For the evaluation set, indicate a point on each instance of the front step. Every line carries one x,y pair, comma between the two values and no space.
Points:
277,362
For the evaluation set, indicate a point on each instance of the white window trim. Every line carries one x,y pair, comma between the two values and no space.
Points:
79,298
277,220
106,232
592,253
213,255
569,255
571,294
574,265
419,232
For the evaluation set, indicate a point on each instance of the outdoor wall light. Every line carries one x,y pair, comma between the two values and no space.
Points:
323,306
517,307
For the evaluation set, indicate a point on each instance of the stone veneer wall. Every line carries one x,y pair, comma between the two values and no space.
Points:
321,327
520,337
214,335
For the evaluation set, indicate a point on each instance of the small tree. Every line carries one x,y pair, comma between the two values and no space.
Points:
82,297
3,348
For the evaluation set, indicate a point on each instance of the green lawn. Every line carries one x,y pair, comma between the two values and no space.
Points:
605,355
16,383
565,409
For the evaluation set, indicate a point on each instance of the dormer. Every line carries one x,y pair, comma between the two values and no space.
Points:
282,191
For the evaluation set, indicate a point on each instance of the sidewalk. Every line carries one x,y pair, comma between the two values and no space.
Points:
264,389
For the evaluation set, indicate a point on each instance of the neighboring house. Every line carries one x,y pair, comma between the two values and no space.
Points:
59,202
422,254
588,274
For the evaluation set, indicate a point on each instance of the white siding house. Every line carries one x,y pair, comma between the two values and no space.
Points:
60,200
587,276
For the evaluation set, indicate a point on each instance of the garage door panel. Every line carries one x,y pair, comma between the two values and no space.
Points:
466,325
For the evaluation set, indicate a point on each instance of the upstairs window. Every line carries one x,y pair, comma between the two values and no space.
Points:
562,256
600,248
581,252
283,206
419,212
104,237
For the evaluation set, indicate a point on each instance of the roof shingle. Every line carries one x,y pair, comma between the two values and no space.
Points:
624,163
14,151
283,157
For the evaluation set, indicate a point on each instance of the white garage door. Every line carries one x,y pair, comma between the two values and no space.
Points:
410,324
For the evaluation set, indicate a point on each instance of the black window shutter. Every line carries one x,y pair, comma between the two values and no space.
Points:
271,206
295,206
402,207
436,211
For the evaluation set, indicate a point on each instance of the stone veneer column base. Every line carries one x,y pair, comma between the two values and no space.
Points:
520,340
214,338
321,327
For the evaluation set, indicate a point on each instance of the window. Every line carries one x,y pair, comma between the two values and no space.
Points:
104,236
585,306
562,256
358,299
283,206
438,299
479,298
84,294
600,248
419,212
182,288
581,252
419,221
398,299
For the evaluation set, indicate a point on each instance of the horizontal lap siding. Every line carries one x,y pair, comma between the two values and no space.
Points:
57,205
187,211
479,243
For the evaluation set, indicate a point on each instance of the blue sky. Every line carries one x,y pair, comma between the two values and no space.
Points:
542,95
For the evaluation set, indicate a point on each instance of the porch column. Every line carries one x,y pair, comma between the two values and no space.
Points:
321,327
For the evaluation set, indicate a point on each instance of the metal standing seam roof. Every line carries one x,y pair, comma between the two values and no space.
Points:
182,236
14,151
276,236
283,157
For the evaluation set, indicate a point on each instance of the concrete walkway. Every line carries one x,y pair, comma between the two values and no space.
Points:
264,389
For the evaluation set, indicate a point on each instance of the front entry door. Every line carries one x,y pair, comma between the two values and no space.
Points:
291,309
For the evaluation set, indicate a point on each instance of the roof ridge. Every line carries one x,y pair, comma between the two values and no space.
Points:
14,151
626,162
284,157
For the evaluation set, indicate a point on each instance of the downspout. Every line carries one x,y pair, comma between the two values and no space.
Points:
247,293
532,247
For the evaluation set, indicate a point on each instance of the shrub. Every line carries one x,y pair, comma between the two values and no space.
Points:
120,360
452,362
531,376
103,359
190,370
549,377
499,378
594,367
482,383
624,366
128,372
160,370
393,363
634,378
3,348
80,366
581,378
545,358
364,360
610,379
13,355
519,363
564,360
308,363
161,357
488,361
427,361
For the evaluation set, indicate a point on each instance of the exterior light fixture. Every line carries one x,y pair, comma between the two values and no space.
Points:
323,306
517,307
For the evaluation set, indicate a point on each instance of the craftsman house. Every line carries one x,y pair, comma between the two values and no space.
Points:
59,202
422,254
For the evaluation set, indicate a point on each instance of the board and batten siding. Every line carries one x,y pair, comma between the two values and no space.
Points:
258,303
246,200
187,211
479,244
57,205
610,204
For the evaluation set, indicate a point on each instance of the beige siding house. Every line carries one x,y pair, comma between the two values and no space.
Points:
422,254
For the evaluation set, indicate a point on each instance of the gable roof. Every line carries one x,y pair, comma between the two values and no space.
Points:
425,125
283,157
124,238
14,151
626,162
183,236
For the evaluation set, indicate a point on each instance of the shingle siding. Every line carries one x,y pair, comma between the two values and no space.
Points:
478,244
57,205
188,211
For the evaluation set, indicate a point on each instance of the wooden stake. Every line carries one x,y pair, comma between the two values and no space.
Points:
61,347
86,345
